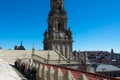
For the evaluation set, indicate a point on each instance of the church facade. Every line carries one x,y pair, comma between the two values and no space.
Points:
58,36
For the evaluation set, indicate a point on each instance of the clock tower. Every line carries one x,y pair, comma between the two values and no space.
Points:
58,36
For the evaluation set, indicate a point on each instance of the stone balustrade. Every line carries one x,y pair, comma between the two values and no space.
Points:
48,72
44,71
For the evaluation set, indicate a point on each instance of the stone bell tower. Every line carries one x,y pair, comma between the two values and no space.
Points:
58,36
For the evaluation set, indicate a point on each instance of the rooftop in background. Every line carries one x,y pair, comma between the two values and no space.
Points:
106,68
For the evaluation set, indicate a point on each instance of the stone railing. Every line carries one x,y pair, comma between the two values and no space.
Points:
38,58
54,72
43,60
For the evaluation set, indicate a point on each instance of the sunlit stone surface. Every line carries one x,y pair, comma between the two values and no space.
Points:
7,72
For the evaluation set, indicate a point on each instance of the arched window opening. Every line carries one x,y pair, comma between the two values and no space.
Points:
59,26
59,7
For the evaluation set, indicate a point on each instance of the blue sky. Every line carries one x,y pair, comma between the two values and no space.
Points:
95,23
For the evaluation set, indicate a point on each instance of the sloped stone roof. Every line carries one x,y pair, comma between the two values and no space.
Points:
7,72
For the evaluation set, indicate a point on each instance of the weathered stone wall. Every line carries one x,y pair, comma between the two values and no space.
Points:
11,56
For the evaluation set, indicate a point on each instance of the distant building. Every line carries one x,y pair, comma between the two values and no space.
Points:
21,47
116,63
94,56
103,57
0,48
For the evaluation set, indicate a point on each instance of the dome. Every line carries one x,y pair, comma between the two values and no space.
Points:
21,47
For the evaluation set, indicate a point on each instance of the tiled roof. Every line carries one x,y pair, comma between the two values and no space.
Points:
105,68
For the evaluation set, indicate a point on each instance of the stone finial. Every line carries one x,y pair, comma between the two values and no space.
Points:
33,49
68,76
44,72
37,66
51,72
33,66
48,57
58,75
40,70
82,77
86,58
31,62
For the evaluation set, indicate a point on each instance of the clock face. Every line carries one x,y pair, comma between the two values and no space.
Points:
61,34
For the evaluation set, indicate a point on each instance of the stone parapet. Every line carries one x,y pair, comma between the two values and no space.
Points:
44,71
